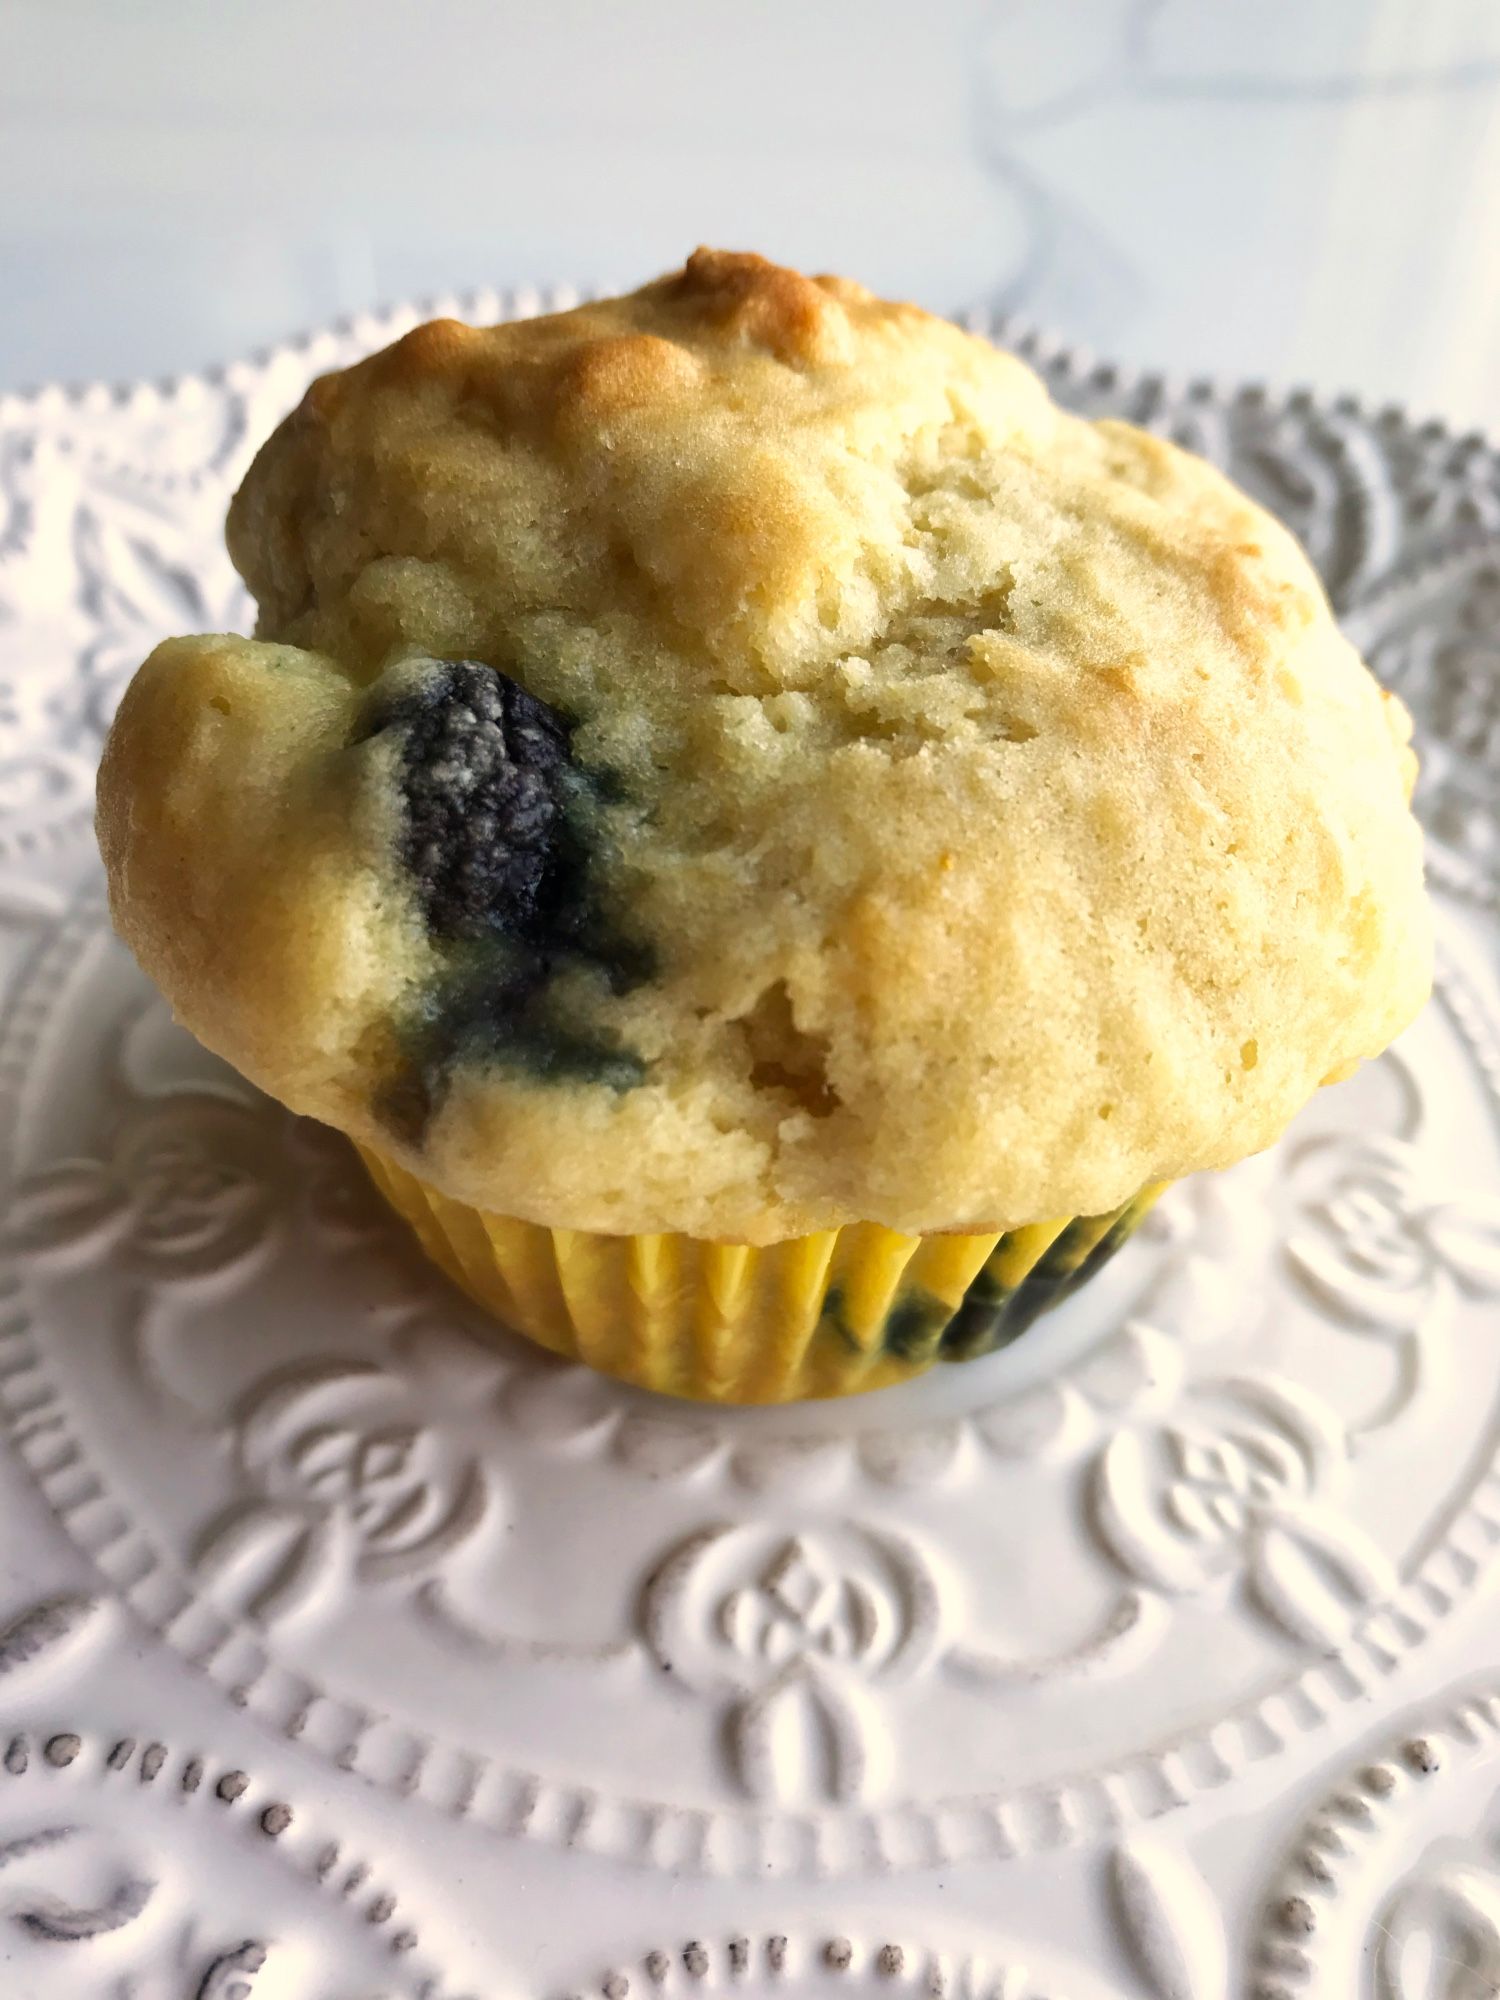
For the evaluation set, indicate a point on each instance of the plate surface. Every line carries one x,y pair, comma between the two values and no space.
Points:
346,1650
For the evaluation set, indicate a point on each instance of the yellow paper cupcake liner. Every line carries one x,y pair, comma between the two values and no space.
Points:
830,1314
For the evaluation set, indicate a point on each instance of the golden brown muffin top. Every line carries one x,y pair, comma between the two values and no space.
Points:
884,796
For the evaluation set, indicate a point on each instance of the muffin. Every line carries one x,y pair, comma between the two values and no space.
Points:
773,839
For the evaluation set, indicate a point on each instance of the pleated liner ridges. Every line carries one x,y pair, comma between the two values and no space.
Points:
824,1315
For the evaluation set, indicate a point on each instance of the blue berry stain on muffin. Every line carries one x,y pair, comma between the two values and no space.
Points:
1025,1273
995,1310
493,836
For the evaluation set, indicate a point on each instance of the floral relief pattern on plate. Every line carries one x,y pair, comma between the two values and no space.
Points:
128,1867
1389,1889
837,1965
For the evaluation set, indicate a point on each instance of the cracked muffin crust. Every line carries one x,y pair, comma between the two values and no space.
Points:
737,759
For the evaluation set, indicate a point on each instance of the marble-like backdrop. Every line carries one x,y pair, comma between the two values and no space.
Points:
1299,189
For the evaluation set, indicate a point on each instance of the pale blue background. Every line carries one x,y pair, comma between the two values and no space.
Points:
1298,189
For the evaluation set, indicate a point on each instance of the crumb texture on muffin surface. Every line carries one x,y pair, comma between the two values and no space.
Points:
925,807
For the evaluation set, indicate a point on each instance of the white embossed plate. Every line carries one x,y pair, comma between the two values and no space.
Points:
346,1650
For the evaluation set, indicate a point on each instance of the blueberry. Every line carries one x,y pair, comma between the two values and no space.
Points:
484,771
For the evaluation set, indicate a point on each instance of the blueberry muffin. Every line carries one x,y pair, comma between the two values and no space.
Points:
772,838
